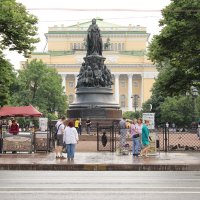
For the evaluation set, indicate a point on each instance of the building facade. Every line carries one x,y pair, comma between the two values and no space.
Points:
124,50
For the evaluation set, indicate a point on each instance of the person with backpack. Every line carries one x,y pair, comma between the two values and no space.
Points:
59,137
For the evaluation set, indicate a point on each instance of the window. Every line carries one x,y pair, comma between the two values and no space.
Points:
78,46
74,45
122,101
122,46
119,47
71,98
135,84
71,84
123,83
71,46
115,46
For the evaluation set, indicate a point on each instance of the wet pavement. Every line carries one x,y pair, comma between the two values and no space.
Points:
101,161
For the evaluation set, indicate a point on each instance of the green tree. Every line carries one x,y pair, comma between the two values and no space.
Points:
40,86
7,78
17,32
132,115
176,50
17,27
178,110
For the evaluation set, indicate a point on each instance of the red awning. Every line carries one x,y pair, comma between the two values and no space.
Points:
21,111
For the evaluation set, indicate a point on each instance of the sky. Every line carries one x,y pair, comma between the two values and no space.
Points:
68,12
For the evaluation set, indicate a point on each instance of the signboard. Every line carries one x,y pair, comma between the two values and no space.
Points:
43,124
152,150
151,118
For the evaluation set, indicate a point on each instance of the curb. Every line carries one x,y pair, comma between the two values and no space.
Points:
100,167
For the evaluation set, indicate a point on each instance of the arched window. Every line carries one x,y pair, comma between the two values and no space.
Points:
74,45
122,101
71,98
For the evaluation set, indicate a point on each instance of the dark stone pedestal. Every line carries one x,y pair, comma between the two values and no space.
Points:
94,103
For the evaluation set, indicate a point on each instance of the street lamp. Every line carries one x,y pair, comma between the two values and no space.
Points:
135,98
194,93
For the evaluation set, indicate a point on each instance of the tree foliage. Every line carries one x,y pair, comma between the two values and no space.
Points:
17,27
7,78
40,86
132,115
176,50
179,110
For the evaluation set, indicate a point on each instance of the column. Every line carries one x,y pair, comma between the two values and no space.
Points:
64,82
130,91
117,88
141,90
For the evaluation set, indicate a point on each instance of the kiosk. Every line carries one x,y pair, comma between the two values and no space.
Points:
23,141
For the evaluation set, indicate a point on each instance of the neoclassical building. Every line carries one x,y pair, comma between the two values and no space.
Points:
124,49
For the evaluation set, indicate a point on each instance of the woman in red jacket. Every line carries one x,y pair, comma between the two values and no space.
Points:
14,128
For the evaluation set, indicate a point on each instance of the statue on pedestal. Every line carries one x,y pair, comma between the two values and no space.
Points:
94,96
93,72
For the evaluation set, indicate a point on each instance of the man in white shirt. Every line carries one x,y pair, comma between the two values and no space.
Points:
59,139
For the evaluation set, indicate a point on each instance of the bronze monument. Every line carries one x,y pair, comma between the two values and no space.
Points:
94,96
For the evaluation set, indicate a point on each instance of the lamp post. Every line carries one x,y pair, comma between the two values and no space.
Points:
194,93
135,98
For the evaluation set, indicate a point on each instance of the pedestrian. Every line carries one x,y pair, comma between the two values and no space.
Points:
88,126
70,139
80,127
173,127
14,128
135,137
198,131
122,131
139,130
59,138
9,123
58,123
145,139
76,124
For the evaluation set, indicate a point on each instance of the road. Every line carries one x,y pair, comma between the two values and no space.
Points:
95,185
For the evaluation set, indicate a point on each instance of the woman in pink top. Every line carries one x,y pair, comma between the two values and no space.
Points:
135,137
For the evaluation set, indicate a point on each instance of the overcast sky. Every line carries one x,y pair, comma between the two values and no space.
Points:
56,12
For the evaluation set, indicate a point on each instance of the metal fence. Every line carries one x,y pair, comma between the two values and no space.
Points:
109,138
178,140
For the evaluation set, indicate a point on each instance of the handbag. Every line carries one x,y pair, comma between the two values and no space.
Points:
136,136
